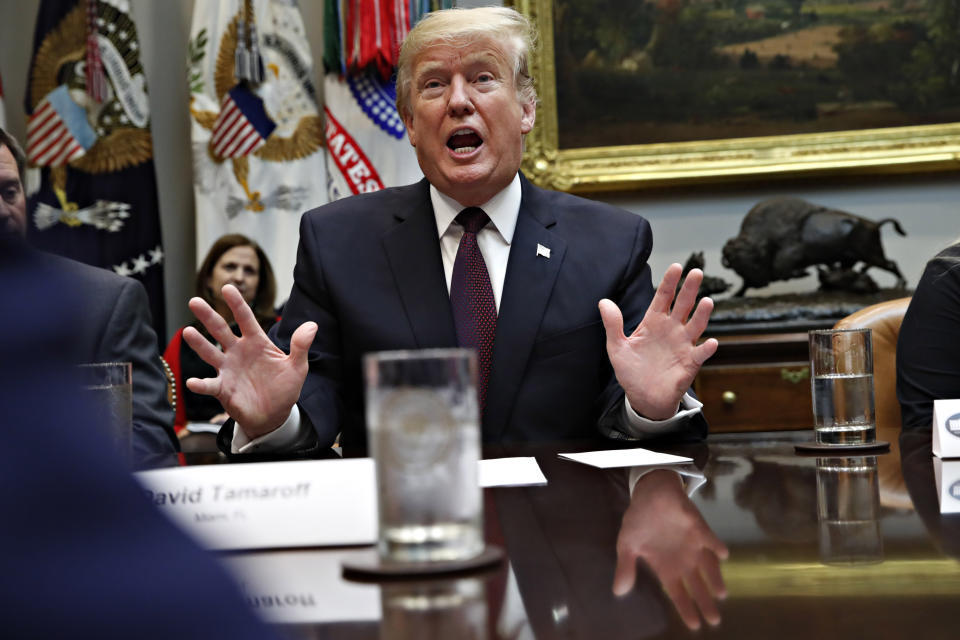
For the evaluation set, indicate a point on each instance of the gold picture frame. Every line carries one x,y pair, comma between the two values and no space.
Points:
906,149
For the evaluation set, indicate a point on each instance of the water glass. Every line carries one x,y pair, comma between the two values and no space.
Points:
109,387
841,377
424,436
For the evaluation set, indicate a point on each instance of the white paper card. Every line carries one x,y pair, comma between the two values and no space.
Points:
270,504
947,473
510,472
946,428
294,587
624,458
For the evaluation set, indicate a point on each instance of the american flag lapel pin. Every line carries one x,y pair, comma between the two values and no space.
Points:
543,251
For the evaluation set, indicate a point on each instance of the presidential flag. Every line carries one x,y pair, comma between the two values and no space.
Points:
255,125
88,131
367,146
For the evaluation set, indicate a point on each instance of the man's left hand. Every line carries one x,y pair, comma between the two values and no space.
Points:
657,363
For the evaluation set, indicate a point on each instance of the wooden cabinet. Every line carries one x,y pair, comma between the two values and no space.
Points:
757,382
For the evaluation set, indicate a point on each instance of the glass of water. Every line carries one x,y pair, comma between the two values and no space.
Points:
109,387
841,374
424,436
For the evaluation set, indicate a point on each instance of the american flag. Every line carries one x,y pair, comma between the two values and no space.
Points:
242,126
58,131
106,213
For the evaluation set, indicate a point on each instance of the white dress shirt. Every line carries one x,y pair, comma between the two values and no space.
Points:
494,242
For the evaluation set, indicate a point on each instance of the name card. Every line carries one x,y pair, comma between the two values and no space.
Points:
946,428
947,474
304,503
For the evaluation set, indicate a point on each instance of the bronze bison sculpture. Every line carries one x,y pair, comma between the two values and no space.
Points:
782,237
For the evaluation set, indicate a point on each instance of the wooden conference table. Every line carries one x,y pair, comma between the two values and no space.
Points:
819,548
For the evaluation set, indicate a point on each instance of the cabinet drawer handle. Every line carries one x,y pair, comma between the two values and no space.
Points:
795,376
729,397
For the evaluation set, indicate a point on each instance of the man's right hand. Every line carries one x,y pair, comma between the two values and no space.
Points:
256,382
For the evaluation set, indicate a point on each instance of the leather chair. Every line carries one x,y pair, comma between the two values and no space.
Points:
885,318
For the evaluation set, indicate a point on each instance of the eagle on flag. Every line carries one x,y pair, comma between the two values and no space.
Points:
256,127
88,131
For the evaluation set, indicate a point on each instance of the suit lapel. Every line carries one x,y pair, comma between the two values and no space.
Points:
413,252
529,281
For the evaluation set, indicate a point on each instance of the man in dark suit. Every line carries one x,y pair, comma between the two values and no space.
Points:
111,322
384,271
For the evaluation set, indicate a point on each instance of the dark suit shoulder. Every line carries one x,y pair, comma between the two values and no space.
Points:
85,275
383,205
101,293
947,261
569,208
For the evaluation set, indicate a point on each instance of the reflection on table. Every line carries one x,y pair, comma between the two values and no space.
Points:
824,547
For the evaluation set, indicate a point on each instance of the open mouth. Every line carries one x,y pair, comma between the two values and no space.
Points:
464,141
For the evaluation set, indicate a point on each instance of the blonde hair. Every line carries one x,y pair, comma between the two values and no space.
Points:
509,31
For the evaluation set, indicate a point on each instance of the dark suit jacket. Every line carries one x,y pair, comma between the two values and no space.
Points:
112,324
928,348
369,272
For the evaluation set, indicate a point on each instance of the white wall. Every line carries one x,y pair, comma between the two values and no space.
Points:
683,220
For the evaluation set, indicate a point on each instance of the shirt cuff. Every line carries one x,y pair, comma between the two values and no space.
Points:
281,438
644,427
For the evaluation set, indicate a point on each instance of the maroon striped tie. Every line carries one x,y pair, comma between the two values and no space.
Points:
471,296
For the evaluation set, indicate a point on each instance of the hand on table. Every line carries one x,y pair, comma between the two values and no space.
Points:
657,363
256,382
665,529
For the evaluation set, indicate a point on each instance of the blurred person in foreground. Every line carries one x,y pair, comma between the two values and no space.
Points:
928,346
110,321
84,553
474,256
233,259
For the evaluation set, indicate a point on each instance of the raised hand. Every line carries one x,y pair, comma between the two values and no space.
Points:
257,383
664,528
656,363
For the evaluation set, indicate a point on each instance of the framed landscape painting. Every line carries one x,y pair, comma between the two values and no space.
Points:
641,93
